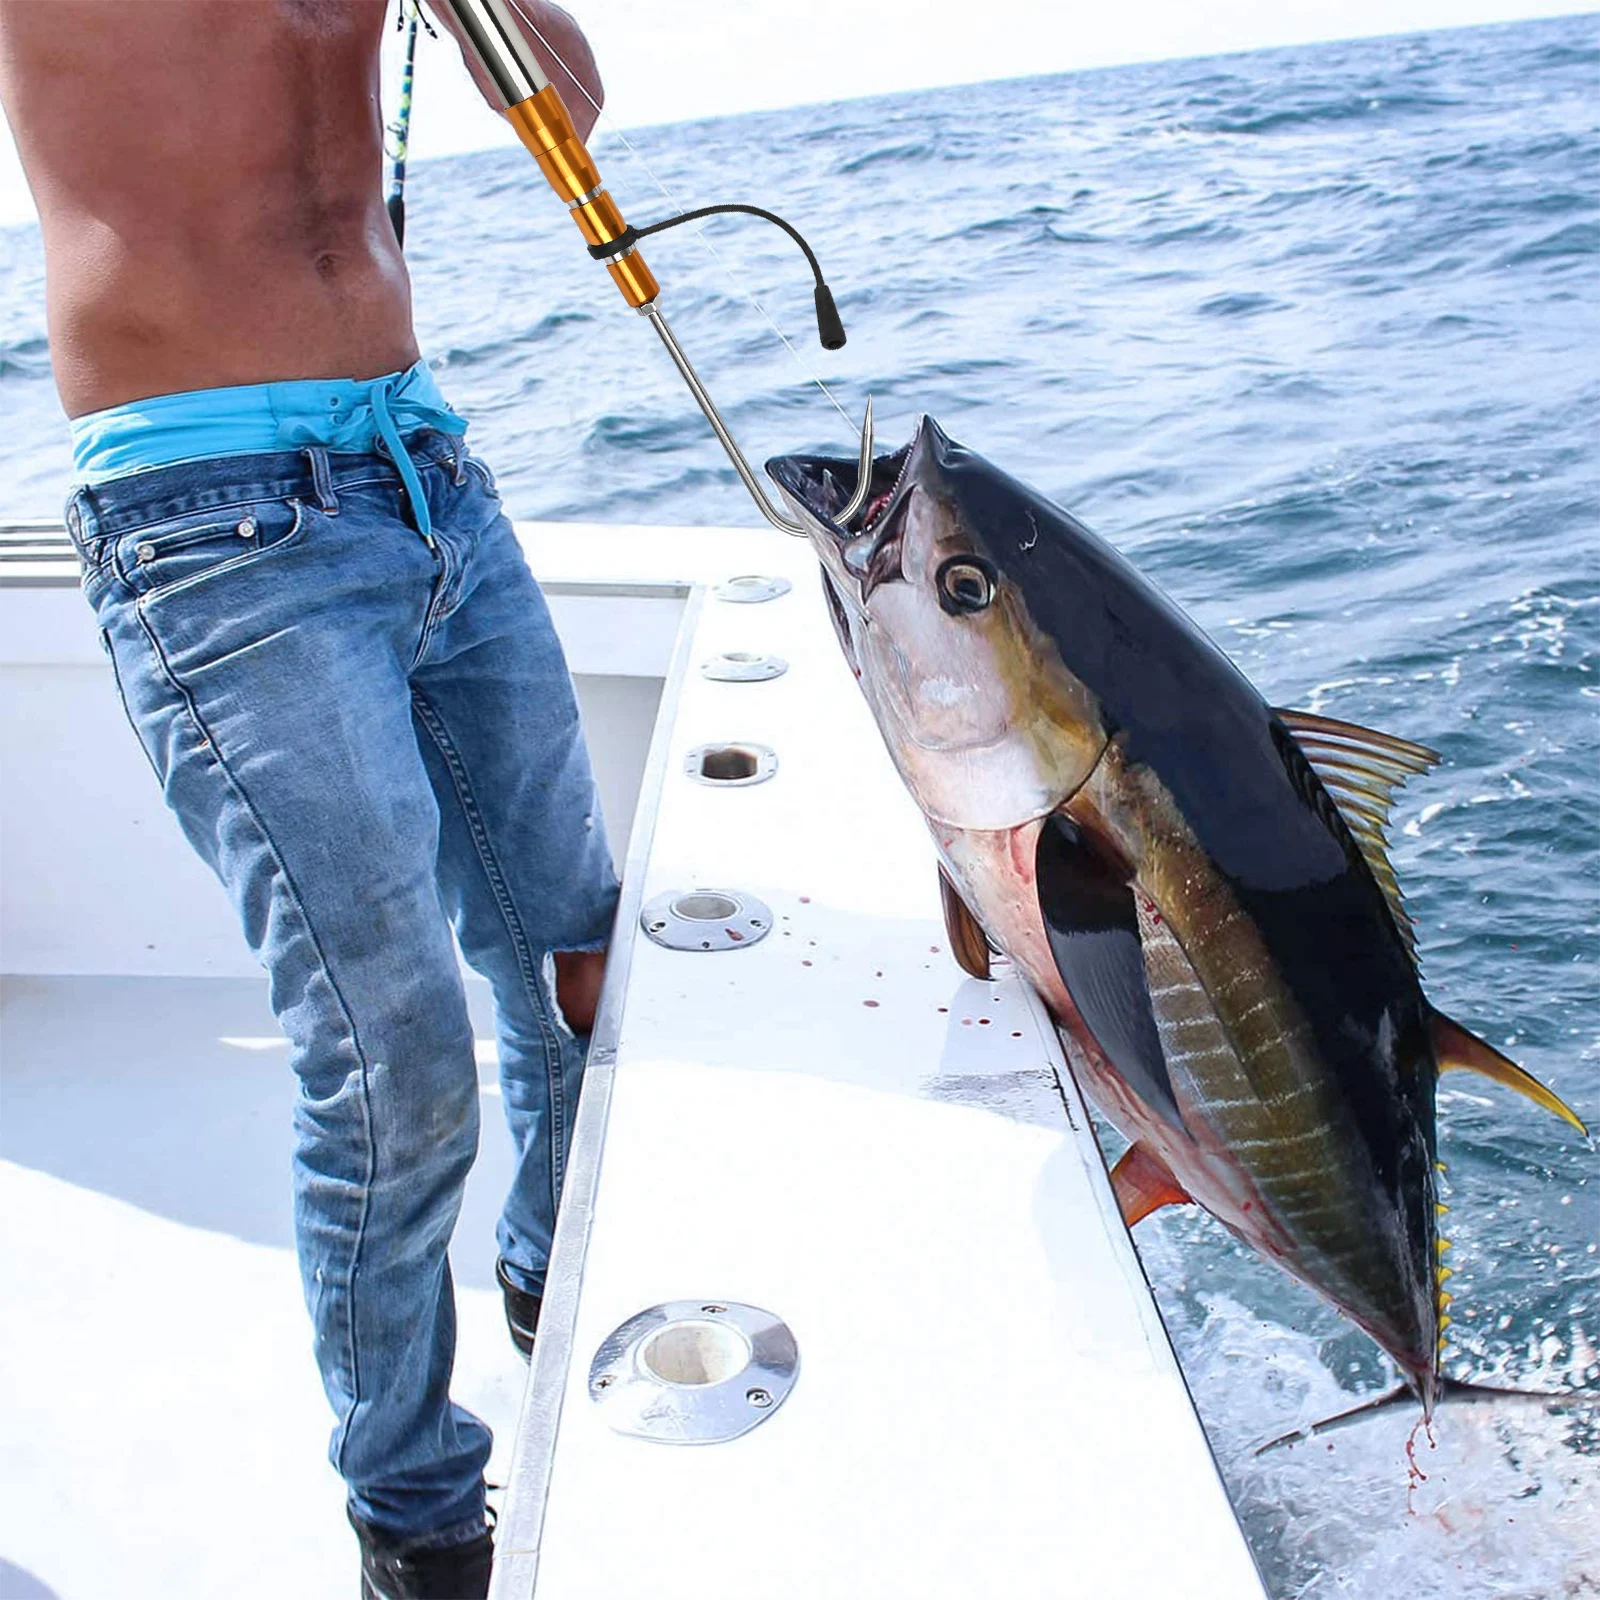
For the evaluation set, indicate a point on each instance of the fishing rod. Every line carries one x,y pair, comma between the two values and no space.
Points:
534,108
401,127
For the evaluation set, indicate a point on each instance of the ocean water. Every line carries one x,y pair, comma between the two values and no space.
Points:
1312,336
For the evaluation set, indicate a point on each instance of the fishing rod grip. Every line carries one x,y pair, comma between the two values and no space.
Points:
534,107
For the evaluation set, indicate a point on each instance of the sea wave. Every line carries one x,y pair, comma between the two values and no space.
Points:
25,358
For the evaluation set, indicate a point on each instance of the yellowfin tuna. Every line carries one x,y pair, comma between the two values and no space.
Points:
1195,882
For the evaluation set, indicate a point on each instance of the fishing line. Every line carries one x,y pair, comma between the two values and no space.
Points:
700,233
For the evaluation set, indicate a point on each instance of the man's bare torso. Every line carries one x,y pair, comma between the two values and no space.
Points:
209,181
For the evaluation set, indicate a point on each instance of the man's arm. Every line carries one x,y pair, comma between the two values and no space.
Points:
561,49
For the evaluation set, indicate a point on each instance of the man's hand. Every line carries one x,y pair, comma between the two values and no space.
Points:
561,50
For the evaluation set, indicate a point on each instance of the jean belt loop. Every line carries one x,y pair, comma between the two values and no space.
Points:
83,517
322,479
458,459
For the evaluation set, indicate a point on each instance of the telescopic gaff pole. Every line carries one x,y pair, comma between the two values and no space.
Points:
533,105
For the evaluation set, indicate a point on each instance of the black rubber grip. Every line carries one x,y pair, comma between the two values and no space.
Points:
829,328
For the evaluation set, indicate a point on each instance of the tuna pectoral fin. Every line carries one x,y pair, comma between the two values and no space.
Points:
1142,1184
1451,1392
969,944
1454,1046
1092,923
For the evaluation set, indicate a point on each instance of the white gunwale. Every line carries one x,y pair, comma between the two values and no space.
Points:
521,1526
928,1207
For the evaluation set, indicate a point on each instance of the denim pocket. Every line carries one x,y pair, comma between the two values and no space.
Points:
183,550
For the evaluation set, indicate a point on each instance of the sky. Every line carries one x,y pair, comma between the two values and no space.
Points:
678,60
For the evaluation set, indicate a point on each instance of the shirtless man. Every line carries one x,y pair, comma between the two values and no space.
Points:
332,651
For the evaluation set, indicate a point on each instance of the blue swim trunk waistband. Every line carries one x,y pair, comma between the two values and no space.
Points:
200,424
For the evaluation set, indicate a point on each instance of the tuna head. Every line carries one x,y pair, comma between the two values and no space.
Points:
928,590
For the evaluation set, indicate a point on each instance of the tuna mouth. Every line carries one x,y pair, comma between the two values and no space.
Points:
823,485
869,546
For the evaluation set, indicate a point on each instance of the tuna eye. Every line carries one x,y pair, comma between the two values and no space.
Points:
966,584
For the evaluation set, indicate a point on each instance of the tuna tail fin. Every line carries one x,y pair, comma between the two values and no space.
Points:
1451,1391
1454,1046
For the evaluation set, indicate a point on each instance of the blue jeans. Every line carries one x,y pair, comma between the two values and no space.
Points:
372,741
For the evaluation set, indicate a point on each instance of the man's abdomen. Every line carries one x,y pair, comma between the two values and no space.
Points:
126,326
209,181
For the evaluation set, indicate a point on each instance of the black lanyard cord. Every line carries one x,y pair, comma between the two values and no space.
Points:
830,330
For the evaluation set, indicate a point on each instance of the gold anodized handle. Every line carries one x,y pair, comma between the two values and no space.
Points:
545,127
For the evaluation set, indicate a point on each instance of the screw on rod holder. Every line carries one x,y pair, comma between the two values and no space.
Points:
693,1372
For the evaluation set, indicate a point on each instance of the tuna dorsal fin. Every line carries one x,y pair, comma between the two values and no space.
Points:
1454,1046
1142,1184
1361,769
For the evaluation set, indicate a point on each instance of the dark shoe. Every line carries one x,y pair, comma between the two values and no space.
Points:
522,1310
388,1572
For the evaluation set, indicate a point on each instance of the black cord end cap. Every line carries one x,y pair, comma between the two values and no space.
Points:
829,328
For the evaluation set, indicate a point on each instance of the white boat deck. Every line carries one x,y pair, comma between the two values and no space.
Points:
834,1124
